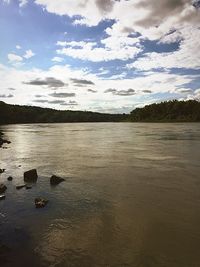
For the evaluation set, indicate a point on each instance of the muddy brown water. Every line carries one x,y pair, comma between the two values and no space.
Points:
131,195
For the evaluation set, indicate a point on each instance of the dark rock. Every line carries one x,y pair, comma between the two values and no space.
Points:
40,202
31,176
10,178
20,186
19,166
2,170
56,180
2,188
3,141
2,197
28,187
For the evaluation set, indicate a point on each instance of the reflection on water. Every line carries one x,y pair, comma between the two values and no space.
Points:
131,195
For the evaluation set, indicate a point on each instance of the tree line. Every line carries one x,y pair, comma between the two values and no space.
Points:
168,111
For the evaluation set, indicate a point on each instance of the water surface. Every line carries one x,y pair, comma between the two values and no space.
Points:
131,195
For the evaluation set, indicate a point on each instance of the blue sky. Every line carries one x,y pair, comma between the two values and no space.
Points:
99,55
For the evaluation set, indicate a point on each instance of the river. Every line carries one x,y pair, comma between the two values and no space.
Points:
131,196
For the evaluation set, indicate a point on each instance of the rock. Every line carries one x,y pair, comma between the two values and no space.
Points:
56,180
3,141
31,176
28,187
10,178
2,188
40,202
2,197
20,186
2,170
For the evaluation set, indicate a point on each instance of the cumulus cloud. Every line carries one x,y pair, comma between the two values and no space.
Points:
29,53
57,59
128,92
6,96
49,81
40,101
13,58
70,103
92,91
22,3
81,81
187,55
147,91
18,46
114,48
56,102
62,95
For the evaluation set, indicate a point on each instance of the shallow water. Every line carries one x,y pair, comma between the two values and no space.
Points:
131,195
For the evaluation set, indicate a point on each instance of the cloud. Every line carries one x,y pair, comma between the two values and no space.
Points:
128,92
70,103
57,59
187,55
6,96
163,84
91,12
49,81
110,90
29,53
22,3
114,48
151,18
18,47
13,58
92,91
11,89
147,91
40,101
62,95
39,96
81,81
56,102
43,101
184,91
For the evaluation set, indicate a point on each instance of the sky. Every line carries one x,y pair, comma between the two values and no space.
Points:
99,55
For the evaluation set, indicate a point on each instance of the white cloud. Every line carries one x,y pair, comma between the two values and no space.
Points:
124,49
22,3
151,18
13,58
57,59
18,47
28,54
187,56
155,83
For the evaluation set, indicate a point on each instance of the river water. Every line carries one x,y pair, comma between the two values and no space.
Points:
131,195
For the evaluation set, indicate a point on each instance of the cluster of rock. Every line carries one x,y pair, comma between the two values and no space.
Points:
30,176
3,141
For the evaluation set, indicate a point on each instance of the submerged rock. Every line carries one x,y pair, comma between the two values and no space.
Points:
40,202
28,187
10,178
56,180
2,197
31,176
3,141
20,186
2,188
2,170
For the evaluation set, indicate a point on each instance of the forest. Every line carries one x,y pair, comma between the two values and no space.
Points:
169,111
